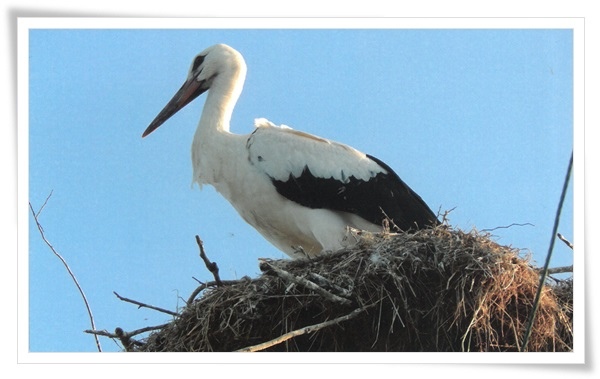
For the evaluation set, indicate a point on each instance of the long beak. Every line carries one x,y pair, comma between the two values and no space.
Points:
190,90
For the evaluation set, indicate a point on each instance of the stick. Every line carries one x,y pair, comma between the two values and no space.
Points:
308,284
211,266
327,284
206,285
562,238
125,337
507,226
64,262
142,305
43,205
104,333
560,270
305,330
538,294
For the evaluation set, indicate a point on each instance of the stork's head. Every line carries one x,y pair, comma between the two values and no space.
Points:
217,66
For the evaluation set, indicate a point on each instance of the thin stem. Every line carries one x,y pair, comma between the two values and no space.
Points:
538,294
64,262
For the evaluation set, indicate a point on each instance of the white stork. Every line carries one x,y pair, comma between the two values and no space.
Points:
300,191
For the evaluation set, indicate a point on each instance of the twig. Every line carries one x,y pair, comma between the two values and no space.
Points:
142,305
444,215
125,337
556,270
538,294
327,284
507,226
305,283
562,238
64,262
104,333
199,289
211,266
43,205
206,285
560,270
305,330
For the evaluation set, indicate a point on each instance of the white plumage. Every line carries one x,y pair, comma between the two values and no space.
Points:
300,191
325,158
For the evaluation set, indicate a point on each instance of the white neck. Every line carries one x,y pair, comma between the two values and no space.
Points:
212,135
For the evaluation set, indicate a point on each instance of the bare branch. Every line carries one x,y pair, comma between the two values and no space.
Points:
304,282
206,285
544,272
143,305
147,329
507,226
445,219
105,333
211,266
198,289
102,333
562,238
43,205
64,262
560,270
125,337
328,285
305,330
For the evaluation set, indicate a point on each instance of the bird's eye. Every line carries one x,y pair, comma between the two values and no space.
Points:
197,62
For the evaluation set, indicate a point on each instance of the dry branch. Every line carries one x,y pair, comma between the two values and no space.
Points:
536,301
144,305
206,285
211,266
125,337
487,230
266,266
305,330
560,270
566,241
64,262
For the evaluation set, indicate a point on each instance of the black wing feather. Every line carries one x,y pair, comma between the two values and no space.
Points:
384,195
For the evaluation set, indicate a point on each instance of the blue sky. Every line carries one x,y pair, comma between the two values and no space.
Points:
478,121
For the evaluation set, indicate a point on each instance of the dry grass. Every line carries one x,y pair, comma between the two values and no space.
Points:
434,290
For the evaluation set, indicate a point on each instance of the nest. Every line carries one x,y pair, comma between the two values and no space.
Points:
437,290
